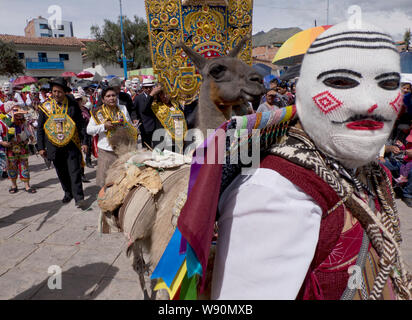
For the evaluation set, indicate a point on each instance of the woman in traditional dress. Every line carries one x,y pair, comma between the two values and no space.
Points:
14,137
104,122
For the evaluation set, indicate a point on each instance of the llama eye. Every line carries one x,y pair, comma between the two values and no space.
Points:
341,82
390,84
217,71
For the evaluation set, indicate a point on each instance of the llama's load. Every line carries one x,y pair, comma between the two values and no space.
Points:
142,197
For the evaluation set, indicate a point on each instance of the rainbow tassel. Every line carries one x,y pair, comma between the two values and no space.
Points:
177,270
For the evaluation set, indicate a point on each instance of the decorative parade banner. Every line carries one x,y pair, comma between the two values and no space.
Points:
211,27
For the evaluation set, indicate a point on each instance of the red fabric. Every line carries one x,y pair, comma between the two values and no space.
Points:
24,96
316,286
197,218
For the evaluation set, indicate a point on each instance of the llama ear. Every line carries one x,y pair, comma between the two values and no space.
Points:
235,51
197,59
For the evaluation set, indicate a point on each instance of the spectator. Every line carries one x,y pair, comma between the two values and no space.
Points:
398,160
284,98
82,100
406,87
143,108
269,104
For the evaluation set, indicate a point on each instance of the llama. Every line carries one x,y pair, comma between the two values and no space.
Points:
228,85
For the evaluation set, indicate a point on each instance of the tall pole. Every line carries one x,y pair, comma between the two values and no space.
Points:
327,13
123,51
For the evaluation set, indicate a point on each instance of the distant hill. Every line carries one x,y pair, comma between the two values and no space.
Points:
276,35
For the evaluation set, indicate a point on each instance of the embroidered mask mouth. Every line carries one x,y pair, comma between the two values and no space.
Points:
363,122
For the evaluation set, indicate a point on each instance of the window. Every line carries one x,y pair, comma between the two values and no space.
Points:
61,27
20,55
45,35
44,26
42,56
64,57
61,35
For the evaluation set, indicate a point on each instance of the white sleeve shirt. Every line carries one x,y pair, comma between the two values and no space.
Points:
19,100
93,129
268,232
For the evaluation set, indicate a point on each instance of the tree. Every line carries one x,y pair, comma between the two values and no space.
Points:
407,38
10,64
108,47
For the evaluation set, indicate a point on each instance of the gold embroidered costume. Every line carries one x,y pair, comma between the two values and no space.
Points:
59,127
172,119
116,117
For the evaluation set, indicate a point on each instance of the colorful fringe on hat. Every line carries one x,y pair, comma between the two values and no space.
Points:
185,258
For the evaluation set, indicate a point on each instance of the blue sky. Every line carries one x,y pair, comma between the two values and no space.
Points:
395,16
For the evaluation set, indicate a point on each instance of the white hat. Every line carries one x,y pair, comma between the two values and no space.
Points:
115,82
9,105
148,82
135,80
77,95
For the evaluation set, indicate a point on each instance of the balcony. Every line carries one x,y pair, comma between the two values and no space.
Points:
44,64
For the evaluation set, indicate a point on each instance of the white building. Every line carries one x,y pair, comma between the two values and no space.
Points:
40,27
47,57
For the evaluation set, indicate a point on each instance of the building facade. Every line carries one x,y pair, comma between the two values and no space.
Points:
40,27
47,57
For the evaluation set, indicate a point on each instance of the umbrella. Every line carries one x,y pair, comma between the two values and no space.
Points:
83,83
97,77
291,73
85,74
293,50
21,81
68,74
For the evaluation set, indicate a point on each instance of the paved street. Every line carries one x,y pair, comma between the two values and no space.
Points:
37,231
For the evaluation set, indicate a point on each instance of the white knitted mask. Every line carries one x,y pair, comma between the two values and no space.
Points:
348,94
6,88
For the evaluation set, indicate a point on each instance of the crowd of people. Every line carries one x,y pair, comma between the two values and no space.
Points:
325,189
67,125
142,106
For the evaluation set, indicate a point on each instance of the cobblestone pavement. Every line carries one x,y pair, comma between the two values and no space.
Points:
37,231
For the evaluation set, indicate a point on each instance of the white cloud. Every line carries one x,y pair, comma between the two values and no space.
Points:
395,22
